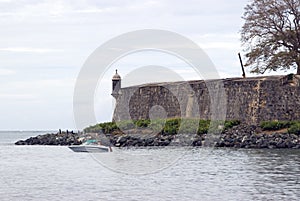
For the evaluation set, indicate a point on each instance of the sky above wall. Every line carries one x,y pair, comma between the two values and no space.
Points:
43,45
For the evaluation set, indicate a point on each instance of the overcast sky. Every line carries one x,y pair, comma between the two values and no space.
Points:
43,45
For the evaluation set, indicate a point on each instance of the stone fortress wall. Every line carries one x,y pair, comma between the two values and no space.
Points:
250,100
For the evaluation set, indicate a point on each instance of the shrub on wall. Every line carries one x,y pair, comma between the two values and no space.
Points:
106,127
172,126
203,126
157,125
231,123
189,126
126,125
163,126
275,125
142,123
295,128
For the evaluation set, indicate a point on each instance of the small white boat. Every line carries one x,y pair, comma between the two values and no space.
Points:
92,146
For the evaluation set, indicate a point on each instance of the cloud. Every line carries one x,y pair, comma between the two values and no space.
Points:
39,85
18,97
216,36
36,35
95,10
220,45
6,71
29,50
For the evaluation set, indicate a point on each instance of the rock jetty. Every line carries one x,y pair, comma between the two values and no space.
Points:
60,138
241,136
244,136
129,140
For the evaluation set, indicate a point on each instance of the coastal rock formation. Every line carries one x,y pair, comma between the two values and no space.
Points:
69,138
242,136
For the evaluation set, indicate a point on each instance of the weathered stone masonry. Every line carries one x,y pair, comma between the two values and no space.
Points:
250,100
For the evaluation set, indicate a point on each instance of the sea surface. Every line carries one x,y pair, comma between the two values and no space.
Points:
57,173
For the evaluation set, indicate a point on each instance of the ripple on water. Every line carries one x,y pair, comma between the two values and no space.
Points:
57,173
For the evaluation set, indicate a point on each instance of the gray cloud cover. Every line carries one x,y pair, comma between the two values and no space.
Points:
43,45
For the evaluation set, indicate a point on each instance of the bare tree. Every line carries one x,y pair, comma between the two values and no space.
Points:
271,35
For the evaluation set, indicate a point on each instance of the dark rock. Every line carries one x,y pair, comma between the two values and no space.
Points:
52,139
244,136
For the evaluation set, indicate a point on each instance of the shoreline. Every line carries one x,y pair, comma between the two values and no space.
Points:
238,136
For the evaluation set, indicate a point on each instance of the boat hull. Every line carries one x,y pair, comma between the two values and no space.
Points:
91,149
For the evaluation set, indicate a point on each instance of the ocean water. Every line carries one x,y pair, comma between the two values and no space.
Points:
57,173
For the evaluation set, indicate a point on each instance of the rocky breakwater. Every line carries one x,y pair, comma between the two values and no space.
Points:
245,136
241,136
61,138
148,139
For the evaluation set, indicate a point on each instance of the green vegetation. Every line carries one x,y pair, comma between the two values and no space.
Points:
171,126
107,127
143,123
125,125
194,126
229,124
164,126
275,125
157,125
295,128
203,126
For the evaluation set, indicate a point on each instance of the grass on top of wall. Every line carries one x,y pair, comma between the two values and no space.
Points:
164,126
293,127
